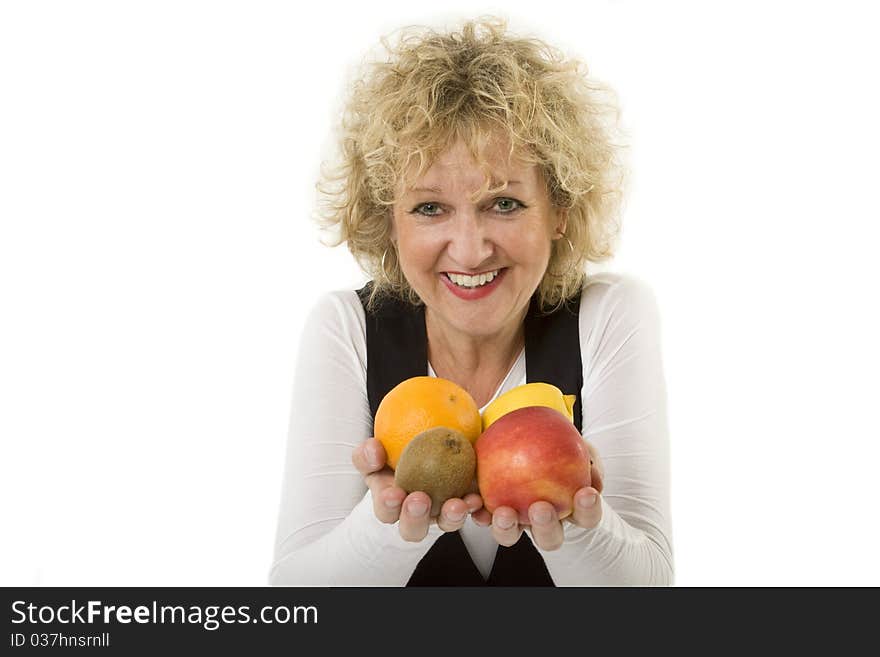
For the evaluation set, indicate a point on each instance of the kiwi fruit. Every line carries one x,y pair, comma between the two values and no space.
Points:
439,461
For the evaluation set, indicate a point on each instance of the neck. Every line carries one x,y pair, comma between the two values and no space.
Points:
465,355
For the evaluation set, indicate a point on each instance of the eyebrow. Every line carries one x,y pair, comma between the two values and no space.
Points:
438,190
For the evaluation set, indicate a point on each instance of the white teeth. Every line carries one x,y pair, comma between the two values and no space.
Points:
473,281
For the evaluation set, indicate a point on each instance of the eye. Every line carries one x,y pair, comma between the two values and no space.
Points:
508,205
427,209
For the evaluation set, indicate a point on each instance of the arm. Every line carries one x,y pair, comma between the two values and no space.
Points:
624,401
327,532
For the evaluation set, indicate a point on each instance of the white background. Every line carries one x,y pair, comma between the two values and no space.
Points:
157,256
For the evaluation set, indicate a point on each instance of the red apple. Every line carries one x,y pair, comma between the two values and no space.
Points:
530,454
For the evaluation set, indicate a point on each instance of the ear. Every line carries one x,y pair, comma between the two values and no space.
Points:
393,235
561,220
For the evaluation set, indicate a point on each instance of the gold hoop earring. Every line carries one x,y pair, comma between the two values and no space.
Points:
384,271
571,264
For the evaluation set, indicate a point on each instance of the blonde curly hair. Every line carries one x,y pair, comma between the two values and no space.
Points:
479,84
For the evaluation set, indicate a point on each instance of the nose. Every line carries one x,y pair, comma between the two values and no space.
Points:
470,245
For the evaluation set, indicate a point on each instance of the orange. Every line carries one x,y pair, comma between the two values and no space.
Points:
421,403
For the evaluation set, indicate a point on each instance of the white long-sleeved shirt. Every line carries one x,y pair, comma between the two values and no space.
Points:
327,532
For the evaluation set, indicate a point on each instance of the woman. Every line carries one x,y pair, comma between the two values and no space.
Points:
478,176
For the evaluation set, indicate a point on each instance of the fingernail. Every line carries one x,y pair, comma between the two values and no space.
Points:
393,503
417,509
454,517
541,517
504,523
587,501
371,455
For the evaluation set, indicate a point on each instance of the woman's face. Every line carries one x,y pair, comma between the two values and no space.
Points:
440,232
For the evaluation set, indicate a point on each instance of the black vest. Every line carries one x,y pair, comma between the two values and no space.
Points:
397,349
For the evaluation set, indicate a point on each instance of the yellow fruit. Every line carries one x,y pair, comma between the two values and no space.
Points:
421,403
529,394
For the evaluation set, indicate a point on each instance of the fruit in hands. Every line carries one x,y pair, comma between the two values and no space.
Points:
531,454
529,394
420,403
440,462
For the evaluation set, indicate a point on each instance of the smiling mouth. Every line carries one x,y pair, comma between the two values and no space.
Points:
477,280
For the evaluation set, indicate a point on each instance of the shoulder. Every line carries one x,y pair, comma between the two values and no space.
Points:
333,307
613,292
615,287
335,319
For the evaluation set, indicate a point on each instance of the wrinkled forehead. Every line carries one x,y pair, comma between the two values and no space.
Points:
473,165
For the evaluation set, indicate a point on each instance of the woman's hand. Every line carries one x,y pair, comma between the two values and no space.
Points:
547,530
391,503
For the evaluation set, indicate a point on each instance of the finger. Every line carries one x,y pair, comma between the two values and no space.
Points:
387,497
597,469
587,508
482,517
387,502
452,515
415,517
505,526
377,482
473,501
369,456
547,531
